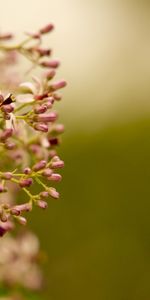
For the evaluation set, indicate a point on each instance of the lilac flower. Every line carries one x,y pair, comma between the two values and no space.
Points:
46,29
29,133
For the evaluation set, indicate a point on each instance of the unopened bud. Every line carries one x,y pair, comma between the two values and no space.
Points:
39,166
14,212
43,52
40,109
57,164
55,177
47,172
49,102
27,171
6,36
58,129
50,64
44,194
7,175
7,108
52,153
21,220
41,96
58,85
50,74
56,158
23,207
46,29
6,134
53,193
46,118
25,182
42,204
41,127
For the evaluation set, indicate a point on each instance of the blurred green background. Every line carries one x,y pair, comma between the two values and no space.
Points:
97,236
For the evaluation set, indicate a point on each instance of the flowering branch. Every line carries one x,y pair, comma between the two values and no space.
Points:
29,133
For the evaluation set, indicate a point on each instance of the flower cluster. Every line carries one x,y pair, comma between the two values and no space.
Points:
29,132
19,262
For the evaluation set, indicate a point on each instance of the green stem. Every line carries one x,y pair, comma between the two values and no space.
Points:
25,190
24,105
28,193
41,183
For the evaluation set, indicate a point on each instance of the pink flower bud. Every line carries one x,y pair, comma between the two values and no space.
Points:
40,109
53,193
4,227
43,52
46,118
56,158
44,194
52,153
39,166
58,85
7,108
49,102
50,64
6,36
41,96
50,99
41,127
42,204
58,128
57,164
23,207
6,134
25,182
7,175
14,211
55,177
27,170
47,172
21,220
50,74
47,28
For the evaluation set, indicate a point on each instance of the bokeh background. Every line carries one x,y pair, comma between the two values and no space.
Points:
97,237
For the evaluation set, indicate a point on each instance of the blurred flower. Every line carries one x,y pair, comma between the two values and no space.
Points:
19,261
